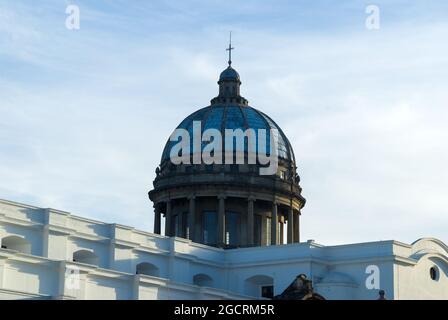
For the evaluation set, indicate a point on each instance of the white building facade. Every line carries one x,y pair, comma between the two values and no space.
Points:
51,254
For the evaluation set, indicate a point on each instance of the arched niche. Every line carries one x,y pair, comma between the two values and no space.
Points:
148,269
16,243
85,256
202,280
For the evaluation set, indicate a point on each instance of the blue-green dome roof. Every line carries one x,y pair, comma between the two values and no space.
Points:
229,74
233,117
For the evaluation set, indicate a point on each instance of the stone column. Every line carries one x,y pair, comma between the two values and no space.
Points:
264,234
290,224
250,221
221,220
156,219
191,219
282,229
168,219
274,224
297,227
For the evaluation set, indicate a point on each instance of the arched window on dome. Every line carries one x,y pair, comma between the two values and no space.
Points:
148,269
85,256
16,243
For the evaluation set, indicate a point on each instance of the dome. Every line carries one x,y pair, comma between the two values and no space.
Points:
221,188
233,117
229,74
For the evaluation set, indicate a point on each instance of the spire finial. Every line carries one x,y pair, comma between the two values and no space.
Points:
230,48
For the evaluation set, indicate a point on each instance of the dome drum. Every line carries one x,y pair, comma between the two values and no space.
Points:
228,220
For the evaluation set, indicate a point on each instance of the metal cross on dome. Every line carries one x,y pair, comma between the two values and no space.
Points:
230,48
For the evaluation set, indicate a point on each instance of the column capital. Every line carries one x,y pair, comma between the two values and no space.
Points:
191,197
221,196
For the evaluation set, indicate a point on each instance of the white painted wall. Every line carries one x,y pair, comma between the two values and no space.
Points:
338,272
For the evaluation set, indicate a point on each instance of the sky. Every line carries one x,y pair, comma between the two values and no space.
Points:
85,113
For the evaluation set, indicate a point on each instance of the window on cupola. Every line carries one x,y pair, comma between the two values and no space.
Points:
184,225
175,225
232,224
210,223
257,231
282,175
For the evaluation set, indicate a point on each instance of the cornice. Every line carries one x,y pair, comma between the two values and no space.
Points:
24,293
16,221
